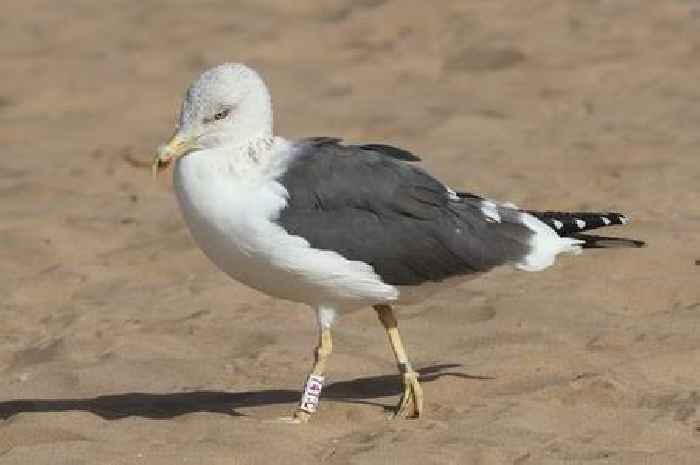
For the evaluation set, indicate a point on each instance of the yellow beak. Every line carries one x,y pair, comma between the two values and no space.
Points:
168,153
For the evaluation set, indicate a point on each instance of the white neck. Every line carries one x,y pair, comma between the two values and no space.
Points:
249,162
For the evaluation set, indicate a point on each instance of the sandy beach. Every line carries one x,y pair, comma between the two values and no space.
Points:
121,343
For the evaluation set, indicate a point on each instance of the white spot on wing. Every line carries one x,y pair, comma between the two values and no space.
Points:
451,193
606,221
624,219
490,211
580,223
558,224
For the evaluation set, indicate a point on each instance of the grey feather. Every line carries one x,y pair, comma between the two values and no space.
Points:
367,204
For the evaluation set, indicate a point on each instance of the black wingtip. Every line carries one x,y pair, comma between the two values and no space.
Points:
566,224
592,241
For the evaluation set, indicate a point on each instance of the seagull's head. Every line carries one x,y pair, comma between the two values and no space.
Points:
226,106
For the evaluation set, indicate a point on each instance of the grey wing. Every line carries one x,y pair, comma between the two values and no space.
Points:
368,204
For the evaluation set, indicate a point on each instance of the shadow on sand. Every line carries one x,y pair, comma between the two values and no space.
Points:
169,405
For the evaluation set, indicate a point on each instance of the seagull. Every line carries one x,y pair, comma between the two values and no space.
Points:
339,227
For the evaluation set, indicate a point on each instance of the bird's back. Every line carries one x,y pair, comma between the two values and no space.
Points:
369,204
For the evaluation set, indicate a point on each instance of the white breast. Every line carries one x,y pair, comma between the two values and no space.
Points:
231,219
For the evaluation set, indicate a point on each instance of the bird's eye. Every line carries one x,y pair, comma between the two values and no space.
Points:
222,114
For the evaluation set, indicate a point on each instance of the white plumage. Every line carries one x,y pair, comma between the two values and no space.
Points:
231,219
229,196
228,166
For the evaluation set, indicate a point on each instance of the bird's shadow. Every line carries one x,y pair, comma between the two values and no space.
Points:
170,405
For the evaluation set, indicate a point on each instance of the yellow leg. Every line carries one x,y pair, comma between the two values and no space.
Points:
309,401
412,392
